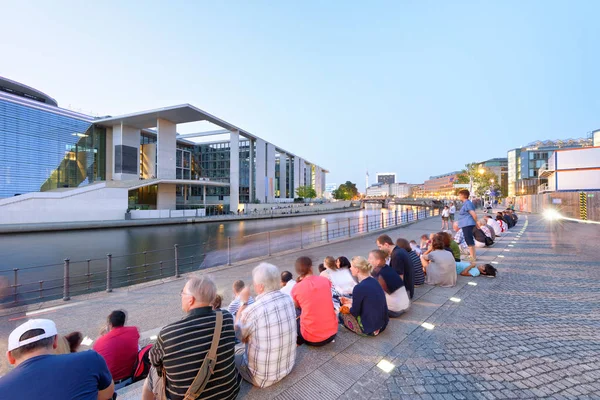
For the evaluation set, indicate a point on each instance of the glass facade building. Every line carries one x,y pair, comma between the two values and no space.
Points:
43,150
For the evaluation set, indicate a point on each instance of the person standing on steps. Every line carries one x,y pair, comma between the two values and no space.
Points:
466,221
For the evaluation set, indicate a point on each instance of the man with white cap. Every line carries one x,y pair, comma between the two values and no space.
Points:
40,374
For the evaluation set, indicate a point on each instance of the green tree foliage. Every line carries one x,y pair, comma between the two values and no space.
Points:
306,192
346,191
481,179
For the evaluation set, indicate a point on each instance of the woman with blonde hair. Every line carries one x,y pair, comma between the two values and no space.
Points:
367,313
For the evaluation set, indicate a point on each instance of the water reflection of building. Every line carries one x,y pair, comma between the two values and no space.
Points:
49,149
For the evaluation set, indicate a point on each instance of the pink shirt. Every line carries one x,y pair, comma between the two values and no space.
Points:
119,347
317,321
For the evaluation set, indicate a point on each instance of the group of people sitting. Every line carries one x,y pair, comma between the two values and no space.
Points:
208,352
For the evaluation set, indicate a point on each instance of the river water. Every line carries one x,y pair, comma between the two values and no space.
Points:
145,253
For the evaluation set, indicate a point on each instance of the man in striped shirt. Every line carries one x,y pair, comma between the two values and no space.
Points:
267,330
182,346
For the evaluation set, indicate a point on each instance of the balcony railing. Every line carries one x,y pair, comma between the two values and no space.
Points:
543,188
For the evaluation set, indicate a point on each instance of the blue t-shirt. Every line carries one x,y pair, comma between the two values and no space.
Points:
462,265
369,303
464,217
67,376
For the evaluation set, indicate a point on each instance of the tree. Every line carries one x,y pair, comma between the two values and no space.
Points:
482,178
346,191
306,192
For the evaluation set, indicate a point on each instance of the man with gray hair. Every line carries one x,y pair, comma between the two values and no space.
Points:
182,347
267,330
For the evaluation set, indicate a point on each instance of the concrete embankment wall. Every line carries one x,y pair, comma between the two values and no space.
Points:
567,203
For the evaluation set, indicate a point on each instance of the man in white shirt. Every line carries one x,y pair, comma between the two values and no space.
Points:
287,283
494,225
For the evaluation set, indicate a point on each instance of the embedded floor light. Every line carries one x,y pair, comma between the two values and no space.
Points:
153,337
386,366
506,249
501,256
511,245
472,283
455,299
494,262
514,241
87,341
427,325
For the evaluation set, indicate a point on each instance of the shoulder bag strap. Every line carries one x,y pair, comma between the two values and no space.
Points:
208,365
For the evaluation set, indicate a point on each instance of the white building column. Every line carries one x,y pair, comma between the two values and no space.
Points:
125,153
261,170
291,194
270,172
302,166
166,148
282,176
251,171
318,188
296,174
234,171
166,197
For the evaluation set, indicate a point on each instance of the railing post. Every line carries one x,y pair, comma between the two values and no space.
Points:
396,217
367,224
176,261
66,281
327,230
41,288
109,273
269,242
16,275
301,238
228,250
382,221
349,231
88,274
417,213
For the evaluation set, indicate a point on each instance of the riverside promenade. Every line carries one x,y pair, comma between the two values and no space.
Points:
532,332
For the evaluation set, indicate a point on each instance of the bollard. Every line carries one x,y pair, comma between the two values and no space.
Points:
176,261
66,281
349,231
327,230
228,250
109,273
269,242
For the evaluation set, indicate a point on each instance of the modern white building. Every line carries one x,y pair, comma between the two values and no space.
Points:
58,165
575,169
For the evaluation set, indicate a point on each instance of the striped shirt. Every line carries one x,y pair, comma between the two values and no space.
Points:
235,304
181,348
419,275
269,326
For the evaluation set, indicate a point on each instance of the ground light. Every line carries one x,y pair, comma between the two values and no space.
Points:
501,256
455,299
473,283
494,262
551,214
386,366
153,337
427,325
87,341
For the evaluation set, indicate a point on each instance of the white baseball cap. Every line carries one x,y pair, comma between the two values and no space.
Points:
48,326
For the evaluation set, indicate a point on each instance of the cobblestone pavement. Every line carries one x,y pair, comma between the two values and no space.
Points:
533,332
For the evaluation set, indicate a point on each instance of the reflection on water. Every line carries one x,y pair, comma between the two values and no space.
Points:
139,253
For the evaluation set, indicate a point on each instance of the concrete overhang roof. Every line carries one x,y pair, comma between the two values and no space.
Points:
179,114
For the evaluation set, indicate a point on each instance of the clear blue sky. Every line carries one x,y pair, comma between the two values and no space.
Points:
413,87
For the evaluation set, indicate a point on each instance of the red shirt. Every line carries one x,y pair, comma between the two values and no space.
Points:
119,347
317,321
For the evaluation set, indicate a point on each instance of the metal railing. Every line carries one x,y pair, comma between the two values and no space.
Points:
75,277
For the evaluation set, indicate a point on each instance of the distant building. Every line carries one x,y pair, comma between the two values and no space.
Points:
386,177
399,190
329,188
440,185
524,163
418,190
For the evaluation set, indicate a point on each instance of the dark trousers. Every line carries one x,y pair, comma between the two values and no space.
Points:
300,340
